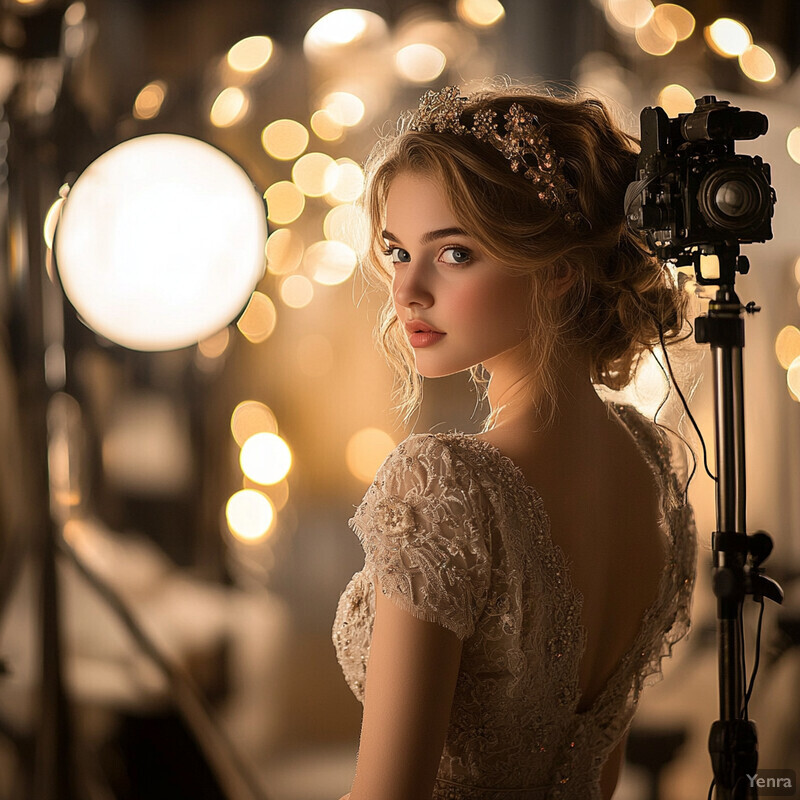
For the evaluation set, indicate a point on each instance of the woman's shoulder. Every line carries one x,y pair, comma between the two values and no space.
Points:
434,461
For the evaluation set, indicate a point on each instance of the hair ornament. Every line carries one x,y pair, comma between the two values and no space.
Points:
522,141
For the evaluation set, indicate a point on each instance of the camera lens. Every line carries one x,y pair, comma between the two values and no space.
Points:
733,198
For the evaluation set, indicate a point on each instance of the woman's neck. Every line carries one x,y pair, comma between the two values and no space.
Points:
515,403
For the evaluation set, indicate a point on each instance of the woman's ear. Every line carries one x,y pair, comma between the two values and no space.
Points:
562,279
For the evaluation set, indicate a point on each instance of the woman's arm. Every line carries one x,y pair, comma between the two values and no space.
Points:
410,681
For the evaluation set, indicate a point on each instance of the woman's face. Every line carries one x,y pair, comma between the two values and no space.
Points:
459,307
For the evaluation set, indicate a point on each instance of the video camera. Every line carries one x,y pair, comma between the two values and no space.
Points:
693,195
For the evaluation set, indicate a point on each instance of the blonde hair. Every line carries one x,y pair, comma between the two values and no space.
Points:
621,298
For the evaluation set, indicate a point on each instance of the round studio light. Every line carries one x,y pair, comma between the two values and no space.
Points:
160,242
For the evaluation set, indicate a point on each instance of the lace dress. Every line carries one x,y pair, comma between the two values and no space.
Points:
457,537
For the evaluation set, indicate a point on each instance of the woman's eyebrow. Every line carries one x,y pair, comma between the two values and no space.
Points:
431,236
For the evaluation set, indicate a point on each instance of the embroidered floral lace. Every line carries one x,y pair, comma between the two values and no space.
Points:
458,537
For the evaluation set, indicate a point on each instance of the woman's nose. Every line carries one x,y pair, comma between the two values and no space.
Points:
411,287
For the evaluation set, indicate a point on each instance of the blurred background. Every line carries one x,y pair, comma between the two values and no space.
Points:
198,497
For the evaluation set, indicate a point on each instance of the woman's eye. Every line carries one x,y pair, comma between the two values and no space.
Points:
455,255
398,255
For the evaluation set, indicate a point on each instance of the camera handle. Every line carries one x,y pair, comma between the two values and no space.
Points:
732,741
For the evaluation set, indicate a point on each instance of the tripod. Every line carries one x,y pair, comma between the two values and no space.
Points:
737,556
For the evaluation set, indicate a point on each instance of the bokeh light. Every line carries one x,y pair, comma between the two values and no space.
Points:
339,27
793,144
285,202
259,318
757,64
676,99
347,180
366,450
345,108
787,345
251,417
330,262
265,458
481,13
311,173
793,378
284,139
297,291
797,265
284,251
250,54
420,63
657,36
214,346
325,126
348,224
250,515
230,107
315,355
149,101
51,221
681,20
630,14
728,37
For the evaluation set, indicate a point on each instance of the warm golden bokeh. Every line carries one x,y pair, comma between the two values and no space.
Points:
787,345
214,346
259,318
345,108
347,179
51,222
297,291
284,139
265,458
793,146
285,202
366,451
325,126
250,515
251,417
793,378
420,63
728,37
676,99
681,20
284,251
630,14
312,174
330,262
230,107
480,13
250,54
757,64
149,100
657,36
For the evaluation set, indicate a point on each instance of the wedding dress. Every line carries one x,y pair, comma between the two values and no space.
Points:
458,537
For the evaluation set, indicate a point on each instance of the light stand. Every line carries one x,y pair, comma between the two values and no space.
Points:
737,556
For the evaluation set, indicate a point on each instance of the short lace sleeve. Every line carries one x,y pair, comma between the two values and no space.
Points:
424,535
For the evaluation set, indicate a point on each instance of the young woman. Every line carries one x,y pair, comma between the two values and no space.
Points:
519,585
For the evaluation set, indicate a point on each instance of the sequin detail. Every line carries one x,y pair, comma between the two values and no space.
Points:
457,537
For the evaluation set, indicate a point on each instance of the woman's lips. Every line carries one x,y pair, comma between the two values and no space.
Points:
424,338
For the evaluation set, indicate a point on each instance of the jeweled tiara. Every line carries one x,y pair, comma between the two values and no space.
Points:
442,111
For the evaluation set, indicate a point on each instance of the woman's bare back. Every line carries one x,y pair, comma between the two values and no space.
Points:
603,505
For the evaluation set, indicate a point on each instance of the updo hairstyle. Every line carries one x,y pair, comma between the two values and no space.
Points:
619,296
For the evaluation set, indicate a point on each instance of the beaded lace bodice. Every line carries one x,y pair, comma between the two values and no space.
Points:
457,537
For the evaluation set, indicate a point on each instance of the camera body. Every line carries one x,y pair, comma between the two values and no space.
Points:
693,193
